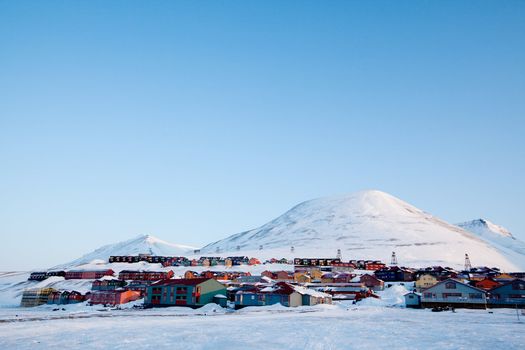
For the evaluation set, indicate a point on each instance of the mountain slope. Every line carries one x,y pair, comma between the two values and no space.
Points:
366,225
143,244
495,235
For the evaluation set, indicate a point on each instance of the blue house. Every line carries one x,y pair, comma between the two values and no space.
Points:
413,300
454,293
511,294
280,293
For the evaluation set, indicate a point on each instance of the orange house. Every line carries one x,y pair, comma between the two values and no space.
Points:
254,261
113,297
487,283
190,274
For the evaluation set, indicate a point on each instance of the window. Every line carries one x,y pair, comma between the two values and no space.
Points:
516,296
475,295
450,285
181,297
451,295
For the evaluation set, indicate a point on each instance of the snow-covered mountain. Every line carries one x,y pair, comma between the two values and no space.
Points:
142,244
495,235
367,225
485,228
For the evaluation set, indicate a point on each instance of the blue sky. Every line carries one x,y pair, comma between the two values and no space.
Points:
198,119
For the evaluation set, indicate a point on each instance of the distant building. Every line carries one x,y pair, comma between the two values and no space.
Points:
145,275
487,283
88,274
111,283
65,297
114,297
194,292
425,281
372,282
35,297
281,293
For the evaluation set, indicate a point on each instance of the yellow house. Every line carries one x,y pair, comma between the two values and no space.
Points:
301,277
316,274
426,281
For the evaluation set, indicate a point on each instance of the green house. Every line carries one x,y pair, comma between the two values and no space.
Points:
191,292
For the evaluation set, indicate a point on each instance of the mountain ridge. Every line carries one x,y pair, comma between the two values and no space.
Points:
367,225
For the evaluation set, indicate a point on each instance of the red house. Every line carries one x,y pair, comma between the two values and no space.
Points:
374,265
88,274
113,297
372,282
487,283
145,275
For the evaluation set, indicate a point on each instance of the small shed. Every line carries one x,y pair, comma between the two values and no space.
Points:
220,300
413,300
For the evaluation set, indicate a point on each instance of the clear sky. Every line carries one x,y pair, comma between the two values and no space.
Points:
194,120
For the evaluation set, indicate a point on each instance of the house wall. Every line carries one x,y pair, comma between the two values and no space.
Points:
295,299
426,281
512,294
209,289
461,294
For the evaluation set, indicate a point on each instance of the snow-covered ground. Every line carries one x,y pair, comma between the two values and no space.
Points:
341,326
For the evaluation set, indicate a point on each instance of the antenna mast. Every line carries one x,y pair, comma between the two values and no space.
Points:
393,260
468,265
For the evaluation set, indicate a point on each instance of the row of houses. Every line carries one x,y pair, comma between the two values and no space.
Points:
183,261
71,274
217,275
456,293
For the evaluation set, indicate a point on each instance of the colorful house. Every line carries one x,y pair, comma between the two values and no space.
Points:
194,292
343,267
65,297
191,274
302,277
107,283
88,274
113,297
372,282
395,273
145,275
454,293
37,276
35,297
346,291
425,281
280,293
510,294
487,283
413,300
254,261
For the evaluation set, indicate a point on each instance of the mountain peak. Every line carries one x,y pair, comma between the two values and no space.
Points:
141,244
368,224
485,227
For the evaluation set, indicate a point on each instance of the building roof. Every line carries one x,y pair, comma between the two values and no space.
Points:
516,280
